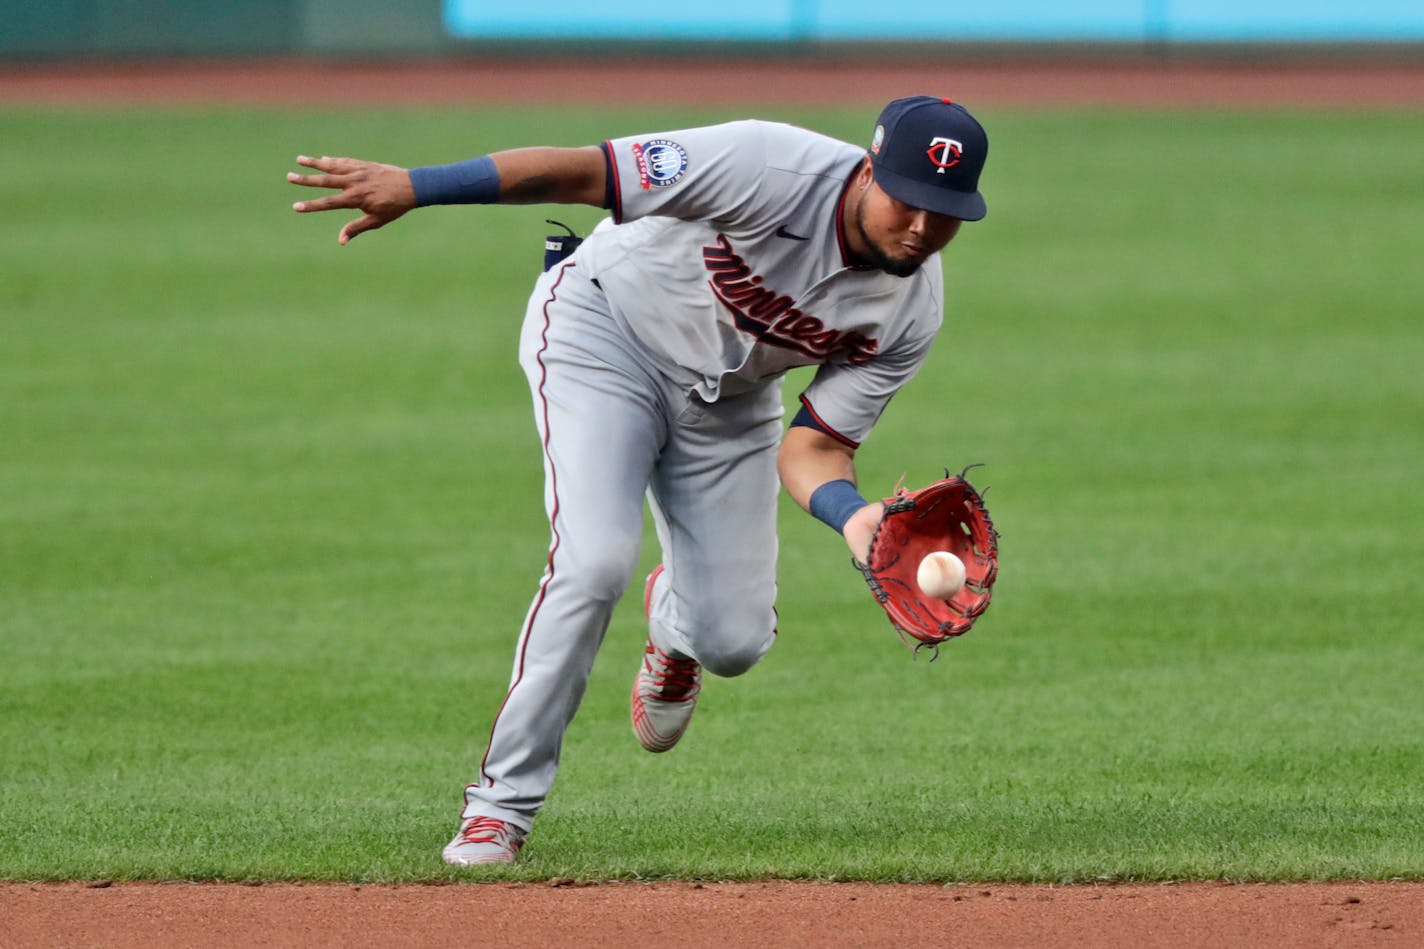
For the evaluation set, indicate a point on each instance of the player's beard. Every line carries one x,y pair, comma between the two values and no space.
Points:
878,258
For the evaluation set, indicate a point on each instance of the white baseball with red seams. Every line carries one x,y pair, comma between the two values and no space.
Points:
941,574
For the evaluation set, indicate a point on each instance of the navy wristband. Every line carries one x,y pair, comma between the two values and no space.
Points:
834,502
466,182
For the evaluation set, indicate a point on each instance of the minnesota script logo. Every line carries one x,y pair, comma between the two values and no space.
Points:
771,317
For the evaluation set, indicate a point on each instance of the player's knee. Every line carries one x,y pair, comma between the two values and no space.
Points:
728,627
736,646
733,660
603,576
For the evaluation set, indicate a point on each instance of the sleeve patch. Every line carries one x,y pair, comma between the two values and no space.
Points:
661,163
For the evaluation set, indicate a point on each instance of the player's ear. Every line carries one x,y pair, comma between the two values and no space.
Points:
866,175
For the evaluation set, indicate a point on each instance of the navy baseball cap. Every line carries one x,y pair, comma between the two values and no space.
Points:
928,152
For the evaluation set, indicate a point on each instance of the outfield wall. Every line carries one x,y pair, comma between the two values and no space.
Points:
1007,21
148,28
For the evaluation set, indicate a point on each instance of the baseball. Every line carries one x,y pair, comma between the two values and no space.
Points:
941,574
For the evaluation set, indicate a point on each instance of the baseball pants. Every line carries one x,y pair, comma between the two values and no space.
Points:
614,430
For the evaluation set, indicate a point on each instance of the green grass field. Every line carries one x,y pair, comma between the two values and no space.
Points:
270,518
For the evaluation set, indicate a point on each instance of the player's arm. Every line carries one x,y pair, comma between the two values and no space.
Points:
818,471
540,175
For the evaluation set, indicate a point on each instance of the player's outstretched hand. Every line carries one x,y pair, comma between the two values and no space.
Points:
382,192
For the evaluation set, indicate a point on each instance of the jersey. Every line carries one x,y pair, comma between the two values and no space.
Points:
725,259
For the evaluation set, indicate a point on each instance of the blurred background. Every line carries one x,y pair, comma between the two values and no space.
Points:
134,28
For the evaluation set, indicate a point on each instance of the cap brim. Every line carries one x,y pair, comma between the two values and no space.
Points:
965,205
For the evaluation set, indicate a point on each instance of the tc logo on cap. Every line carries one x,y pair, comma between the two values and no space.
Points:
945,153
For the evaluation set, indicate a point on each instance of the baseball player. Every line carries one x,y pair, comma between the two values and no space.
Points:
654,354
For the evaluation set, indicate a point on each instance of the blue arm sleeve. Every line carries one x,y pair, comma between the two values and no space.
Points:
834,502
466,182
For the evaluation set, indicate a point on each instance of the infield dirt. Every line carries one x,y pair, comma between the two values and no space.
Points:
776,913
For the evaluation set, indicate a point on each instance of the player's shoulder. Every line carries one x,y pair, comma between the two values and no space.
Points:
780,132
778,145
801,151
789,134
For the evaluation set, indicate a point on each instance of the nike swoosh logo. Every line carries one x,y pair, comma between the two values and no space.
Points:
783,232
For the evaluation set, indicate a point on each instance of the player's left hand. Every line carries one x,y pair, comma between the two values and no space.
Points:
860,529
382,192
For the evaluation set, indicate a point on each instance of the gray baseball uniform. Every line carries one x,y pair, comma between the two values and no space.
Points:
654,355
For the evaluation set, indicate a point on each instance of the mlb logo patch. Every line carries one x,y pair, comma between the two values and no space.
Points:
660,163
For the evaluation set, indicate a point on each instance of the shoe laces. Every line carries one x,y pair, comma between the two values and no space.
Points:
485,830
675,680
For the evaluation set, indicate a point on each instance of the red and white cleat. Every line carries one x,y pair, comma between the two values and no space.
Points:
664,691
484,840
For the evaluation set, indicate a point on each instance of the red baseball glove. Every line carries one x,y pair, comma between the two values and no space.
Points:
947,515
